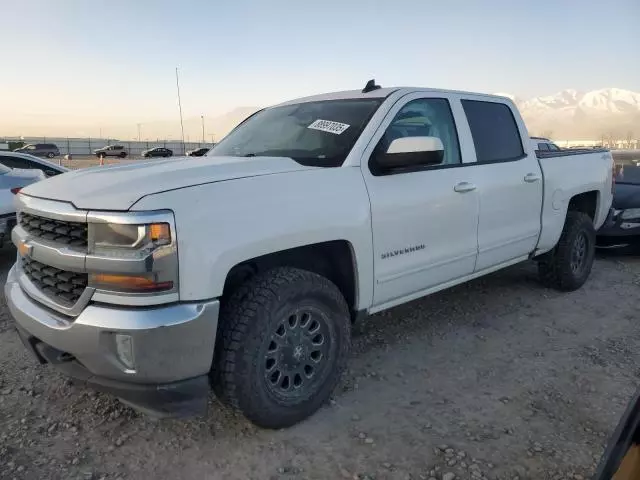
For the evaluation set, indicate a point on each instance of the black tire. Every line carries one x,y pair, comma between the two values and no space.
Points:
568,265
51,155
257,348
123,154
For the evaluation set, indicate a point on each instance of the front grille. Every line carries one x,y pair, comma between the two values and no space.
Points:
61,286
59,231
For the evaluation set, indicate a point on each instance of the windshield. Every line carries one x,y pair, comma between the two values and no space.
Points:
319,134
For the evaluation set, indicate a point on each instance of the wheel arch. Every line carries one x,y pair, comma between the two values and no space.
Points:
585,202
554,217
334,260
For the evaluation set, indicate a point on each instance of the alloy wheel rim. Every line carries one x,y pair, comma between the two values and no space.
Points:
297,354
579,253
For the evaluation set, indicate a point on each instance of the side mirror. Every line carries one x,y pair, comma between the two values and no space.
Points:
411,152
621,459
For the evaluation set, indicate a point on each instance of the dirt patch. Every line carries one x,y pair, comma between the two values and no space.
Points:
499,378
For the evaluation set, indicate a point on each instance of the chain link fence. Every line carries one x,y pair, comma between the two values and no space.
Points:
86,146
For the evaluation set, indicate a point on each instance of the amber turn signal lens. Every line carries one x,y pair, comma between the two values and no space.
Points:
128,283
160,232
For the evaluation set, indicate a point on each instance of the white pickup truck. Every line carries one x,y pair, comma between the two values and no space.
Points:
244,269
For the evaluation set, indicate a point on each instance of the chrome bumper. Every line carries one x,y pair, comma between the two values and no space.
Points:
170,343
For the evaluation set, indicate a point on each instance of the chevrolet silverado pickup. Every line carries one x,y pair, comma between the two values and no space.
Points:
243,270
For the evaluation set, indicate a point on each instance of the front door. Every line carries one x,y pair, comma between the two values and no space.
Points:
424,221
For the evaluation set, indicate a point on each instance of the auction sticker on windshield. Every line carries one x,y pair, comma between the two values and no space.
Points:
329,126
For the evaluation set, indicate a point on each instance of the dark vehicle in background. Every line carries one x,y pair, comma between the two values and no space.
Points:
157,152
48,150
622,228
111,151
24,161
198,152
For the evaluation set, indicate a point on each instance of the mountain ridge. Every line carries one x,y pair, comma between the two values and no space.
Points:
571,114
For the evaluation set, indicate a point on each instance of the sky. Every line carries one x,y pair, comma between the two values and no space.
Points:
102,63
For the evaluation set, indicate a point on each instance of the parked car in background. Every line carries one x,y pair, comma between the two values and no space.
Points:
622,228
29,162
542,144
198,152
48,150
111,151
362,201
157,152
12,180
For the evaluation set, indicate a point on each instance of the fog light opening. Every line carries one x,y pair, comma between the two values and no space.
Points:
124,348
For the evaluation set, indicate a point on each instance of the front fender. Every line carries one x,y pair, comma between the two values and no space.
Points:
222,224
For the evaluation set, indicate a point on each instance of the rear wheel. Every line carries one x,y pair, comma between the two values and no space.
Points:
569,264
122,154
284,341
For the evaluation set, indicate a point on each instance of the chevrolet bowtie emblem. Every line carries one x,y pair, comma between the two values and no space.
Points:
24,249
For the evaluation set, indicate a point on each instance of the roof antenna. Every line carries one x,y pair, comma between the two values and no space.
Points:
370,86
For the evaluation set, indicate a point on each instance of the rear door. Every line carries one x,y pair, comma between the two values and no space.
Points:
509,182
424,221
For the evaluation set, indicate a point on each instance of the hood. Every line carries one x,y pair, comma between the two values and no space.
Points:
118,187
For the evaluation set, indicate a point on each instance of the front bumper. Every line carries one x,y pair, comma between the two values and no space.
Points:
172,348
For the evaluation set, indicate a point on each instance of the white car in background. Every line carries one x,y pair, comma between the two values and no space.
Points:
18,170
24,161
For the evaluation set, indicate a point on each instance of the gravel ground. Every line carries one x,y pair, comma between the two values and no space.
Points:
499,378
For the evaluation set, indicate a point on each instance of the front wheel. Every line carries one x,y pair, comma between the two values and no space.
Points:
569,264
50,155
284,341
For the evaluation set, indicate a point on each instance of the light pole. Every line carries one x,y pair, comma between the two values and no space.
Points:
180,109
139,125
213,138
202,118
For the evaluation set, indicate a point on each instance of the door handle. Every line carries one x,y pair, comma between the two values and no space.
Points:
464,187
531,177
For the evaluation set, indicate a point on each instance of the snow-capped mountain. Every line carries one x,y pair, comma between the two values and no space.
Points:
571,114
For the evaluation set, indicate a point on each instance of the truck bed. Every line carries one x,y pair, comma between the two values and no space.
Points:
583,170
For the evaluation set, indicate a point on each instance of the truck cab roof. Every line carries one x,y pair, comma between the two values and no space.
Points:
383,93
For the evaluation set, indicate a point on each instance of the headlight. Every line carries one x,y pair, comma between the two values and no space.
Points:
630,213
132,258
130,237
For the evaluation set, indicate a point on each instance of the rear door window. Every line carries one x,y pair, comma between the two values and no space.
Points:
494,130
543,147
